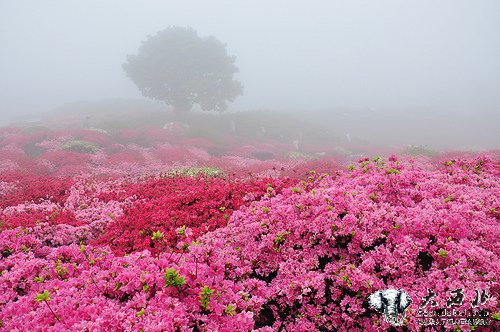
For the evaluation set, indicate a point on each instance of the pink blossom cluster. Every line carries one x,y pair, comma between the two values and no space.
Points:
89,288
324,246
304,258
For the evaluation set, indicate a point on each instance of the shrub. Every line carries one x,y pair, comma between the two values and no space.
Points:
262,155
195,171
418,150
165,204
80,146
320,250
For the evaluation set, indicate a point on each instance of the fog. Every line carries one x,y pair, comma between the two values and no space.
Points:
427,65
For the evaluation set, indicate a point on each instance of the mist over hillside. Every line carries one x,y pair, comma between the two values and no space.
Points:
370,127
385,72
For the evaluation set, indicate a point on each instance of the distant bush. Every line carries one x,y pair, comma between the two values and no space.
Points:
32,150
298,155
80,146
262,155
419,150
35,129
195,171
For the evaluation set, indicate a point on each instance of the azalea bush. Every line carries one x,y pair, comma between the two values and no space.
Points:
80,146
154,231
163,205
85,288
298,255
195,171
322,247
26,187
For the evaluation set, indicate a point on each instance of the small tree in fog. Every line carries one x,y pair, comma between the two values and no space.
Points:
180,68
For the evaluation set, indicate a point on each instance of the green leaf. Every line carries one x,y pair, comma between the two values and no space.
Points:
392,171
172,278
230,310
345,278
206,293
181,230
44,296
449,198
280,238
157,236
442,253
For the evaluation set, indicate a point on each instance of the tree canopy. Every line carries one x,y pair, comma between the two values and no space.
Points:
178,67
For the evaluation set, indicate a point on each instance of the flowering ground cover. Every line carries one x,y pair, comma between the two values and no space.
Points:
149,231
163,205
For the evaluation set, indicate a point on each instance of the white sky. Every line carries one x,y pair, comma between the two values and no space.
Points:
425,54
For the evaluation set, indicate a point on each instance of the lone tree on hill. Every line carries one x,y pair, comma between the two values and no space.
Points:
180,68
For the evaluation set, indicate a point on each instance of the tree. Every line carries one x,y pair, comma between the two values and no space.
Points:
180,68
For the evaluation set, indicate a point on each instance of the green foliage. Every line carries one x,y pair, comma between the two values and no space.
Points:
280,238
230,310
442,253
392,171
449,198
195,171
299,155
364,163
172,278
345,278
418,150
157,236
80,146
181,231
263,155
60,270
205,294
178,67
43,296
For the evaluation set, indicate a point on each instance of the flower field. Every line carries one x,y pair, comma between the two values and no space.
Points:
159,230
